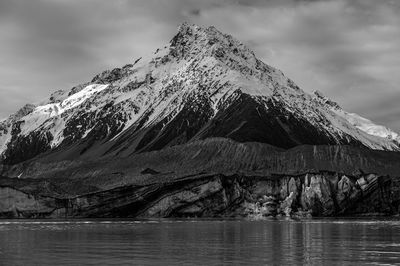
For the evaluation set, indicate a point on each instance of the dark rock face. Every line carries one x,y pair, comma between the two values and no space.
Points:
149,171
22,148
209,178
25,110
246,119
316,194
103,124
110,76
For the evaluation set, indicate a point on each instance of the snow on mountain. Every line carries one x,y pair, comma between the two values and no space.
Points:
195,78
359,122
5,137
369,127
51,114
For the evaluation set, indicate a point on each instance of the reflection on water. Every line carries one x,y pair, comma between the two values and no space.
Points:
199,242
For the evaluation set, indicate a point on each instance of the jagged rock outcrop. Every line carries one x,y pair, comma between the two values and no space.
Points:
317,194
212,178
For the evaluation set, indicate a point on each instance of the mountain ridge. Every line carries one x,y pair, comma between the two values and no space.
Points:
200,85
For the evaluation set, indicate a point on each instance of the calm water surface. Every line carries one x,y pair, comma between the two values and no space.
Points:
199,242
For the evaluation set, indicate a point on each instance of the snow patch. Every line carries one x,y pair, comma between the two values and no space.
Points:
42,113
4,139
368,126
79,97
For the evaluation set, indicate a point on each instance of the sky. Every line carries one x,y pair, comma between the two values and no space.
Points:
347,49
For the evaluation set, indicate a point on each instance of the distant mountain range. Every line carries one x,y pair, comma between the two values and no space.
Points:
207,98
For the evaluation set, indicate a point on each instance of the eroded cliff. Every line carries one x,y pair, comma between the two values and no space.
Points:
209,178
312,194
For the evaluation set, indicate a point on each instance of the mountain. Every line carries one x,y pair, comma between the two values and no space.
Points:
203,84
201,117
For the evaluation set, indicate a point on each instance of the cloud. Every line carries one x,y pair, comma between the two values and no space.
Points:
348,49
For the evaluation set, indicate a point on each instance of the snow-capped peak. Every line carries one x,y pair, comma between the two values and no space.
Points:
201,72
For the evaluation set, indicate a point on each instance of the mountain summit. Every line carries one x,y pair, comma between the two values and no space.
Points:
202,84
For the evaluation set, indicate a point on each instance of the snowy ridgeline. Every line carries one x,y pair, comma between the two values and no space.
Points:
199,64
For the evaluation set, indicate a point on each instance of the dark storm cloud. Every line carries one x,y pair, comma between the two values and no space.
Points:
348,49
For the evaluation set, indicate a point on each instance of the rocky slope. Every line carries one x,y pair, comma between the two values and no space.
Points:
211,178
318,194
199,128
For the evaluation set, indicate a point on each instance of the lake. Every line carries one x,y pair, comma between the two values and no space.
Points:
200,242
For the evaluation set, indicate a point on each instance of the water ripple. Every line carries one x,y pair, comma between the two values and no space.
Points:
195,241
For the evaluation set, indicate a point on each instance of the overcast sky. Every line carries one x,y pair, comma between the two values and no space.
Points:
347,49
